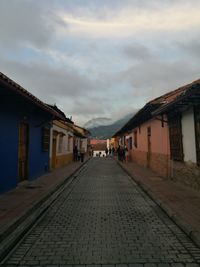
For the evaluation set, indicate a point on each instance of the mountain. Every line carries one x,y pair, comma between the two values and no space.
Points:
107,131
97,122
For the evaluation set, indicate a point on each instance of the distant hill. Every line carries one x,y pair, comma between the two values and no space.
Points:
106,131
97,122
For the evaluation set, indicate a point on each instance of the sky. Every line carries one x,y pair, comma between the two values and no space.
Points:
100,58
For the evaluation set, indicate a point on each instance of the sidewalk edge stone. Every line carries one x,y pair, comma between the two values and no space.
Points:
185,227
20,227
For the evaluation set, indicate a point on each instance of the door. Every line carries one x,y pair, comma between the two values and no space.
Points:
148,147
197,132
23,151
53,160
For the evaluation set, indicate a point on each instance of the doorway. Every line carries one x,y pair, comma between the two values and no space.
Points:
148,147
23,151
54,145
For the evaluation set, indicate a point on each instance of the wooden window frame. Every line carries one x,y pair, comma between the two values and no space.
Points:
45,139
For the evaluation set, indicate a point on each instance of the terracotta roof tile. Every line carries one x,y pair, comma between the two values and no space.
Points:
26,94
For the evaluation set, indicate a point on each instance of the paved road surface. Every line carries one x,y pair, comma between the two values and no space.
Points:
104,218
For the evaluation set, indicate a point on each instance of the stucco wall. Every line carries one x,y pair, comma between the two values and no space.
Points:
67,147
188,132
160,150
13,110
159,137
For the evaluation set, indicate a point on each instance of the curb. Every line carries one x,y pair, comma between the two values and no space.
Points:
191,232
22,225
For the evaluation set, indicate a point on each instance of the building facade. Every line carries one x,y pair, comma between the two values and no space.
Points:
165,135
25,134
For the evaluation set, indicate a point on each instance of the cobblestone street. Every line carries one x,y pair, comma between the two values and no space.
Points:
104,218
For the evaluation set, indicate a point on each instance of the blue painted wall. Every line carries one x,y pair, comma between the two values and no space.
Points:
13,110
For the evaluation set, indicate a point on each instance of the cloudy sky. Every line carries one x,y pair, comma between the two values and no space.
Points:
100,58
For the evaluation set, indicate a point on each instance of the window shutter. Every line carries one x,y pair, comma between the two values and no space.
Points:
45,139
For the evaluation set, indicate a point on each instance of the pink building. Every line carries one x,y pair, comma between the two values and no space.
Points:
165,135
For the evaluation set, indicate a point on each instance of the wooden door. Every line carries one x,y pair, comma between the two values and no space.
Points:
175,136
23,151
53,160
148,147
197,131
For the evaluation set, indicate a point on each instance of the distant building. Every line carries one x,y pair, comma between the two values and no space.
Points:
61,145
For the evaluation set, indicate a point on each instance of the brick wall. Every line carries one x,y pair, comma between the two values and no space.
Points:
158,163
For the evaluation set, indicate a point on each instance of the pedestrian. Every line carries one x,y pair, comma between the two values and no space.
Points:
122,154
106,151
110,151
75,153
113,151
78,155
82,154
126,154
119,152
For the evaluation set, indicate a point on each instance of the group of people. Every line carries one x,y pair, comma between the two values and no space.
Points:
78,154
122,153
110,151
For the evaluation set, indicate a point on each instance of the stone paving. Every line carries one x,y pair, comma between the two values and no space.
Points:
105,219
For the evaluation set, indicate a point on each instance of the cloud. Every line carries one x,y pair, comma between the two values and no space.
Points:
137,52
27,23
190,48
152,78
47,81
131,20
97,57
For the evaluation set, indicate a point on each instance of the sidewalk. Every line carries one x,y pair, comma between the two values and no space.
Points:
17,204
181,203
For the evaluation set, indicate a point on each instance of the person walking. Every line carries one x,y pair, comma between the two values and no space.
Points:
82,154
106,151
75,153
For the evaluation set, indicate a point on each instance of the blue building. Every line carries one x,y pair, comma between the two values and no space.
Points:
25,123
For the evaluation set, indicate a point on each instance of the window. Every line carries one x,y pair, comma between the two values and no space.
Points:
175,135
135,139
45,138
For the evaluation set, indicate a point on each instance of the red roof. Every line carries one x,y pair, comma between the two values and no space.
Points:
95,141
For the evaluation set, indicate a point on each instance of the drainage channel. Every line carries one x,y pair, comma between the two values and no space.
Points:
10,243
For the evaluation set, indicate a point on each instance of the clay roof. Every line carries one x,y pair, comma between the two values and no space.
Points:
182,94
15,87
95,141
60,112
161,104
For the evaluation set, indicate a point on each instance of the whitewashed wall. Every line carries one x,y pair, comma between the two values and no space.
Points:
84,143
67,146
188,131
96,153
